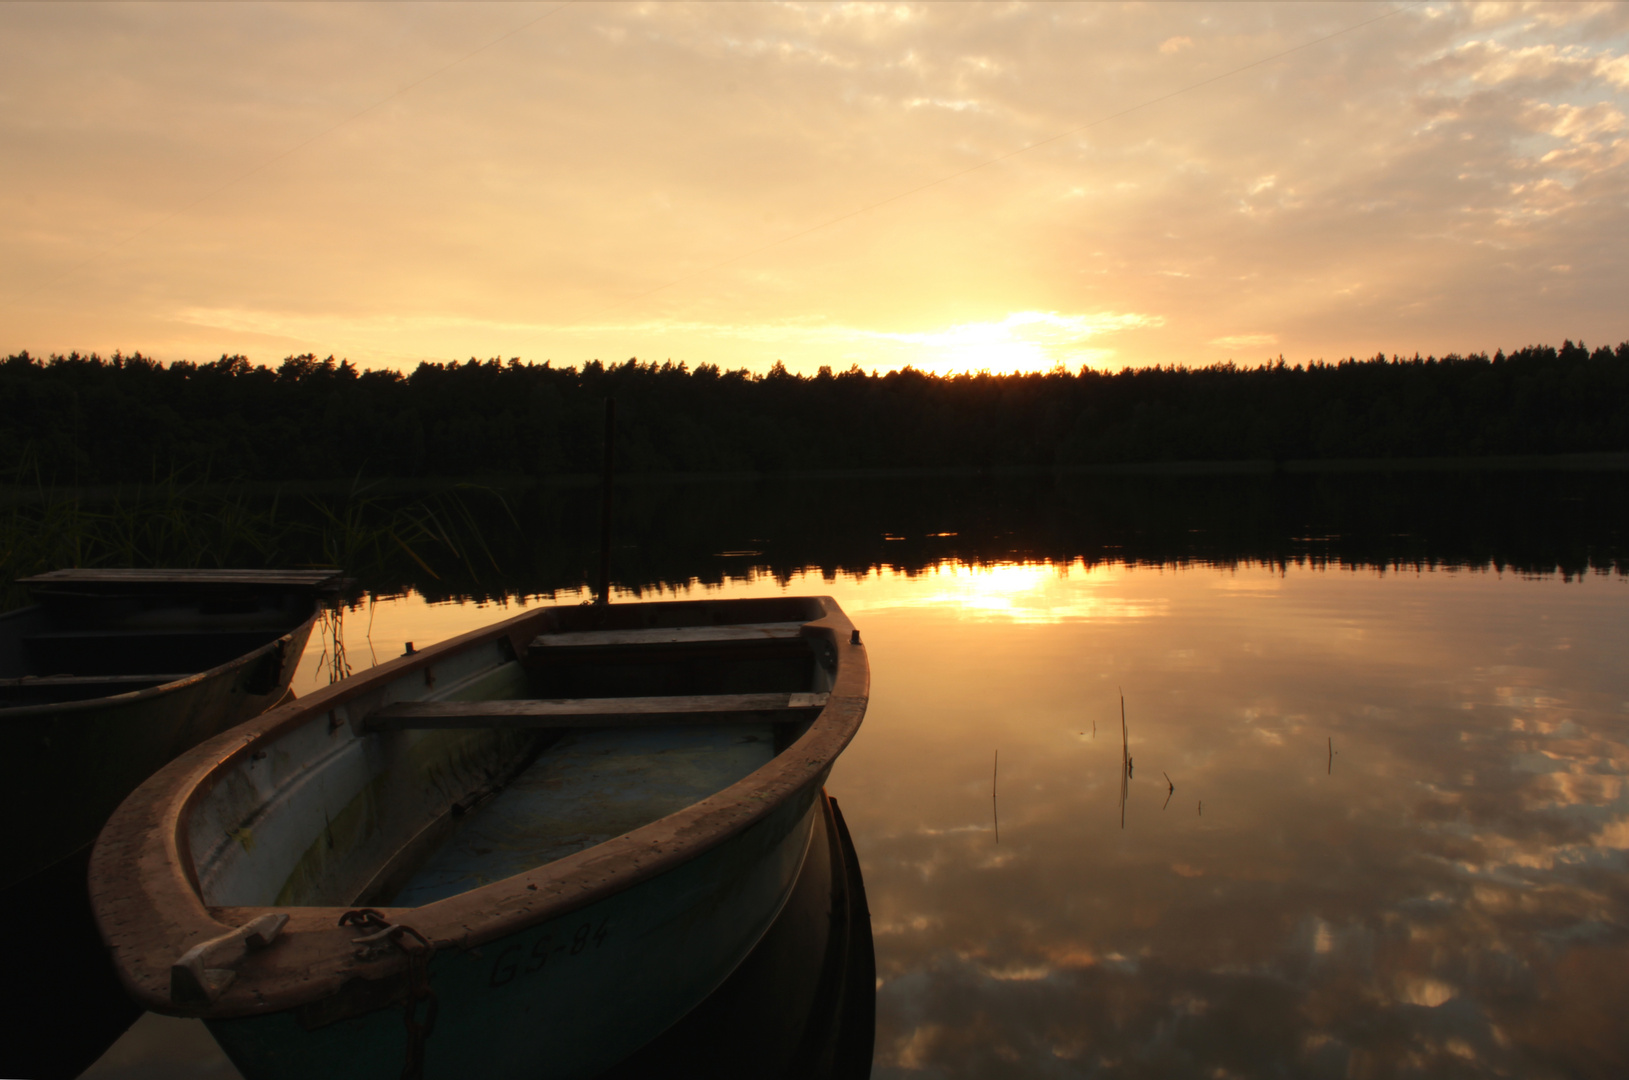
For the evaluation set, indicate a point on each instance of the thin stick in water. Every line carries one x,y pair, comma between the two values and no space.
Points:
995,808
1125,760
1331,769
1125,738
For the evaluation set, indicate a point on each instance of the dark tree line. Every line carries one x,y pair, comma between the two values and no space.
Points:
86,419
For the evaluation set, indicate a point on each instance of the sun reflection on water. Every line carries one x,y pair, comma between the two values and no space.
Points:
1010,592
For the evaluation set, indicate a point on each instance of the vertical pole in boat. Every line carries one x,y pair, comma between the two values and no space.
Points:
605,503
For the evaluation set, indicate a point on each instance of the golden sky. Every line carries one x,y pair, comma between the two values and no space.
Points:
741,183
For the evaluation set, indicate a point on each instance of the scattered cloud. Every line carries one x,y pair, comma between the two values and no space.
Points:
818,184
1245,341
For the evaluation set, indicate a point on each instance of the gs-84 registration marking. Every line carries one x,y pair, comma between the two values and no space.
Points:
517,960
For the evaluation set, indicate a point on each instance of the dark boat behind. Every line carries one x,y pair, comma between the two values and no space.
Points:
112,673
107,677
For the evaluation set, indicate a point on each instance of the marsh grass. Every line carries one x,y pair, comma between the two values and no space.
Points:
368,533
181,522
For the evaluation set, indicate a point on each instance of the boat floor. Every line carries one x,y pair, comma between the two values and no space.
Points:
585,789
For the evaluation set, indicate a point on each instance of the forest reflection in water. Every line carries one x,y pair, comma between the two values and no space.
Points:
1397,839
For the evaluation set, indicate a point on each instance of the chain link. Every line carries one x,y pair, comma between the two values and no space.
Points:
418,951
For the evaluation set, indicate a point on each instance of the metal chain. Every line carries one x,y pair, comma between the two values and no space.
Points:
418,951
366,918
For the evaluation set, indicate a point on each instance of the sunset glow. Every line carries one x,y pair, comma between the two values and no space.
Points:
954,187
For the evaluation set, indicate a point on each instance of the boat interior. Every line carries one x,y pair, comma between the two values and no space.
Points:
559,731
94,635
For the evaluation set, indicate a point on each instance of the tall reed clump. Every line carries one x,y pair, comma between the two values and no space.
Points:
173,523
365,533
180,523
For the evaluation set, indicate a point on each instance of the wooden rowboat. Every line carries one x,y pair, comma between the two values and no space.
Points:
114,672
524,852
110,674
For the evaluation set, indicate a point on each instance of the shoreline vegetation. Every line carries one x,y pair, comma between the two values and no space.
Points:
468,542
81,422
123,461
385,543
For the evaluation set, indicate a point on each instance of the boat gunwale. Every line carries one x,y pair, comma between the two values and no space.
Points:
150,910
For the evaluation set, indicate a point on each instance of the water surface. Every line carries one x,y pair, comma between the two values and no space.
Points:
1376,823
1375,827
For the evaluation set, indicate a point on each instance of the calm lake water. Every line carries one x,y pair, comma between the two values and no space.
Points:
1376,826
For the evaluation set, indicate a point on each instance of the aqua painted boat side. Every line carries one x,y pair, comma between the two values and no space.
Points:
567,998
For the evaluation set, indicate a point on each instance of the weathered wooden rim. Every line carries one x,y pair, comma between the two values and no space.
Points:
150,912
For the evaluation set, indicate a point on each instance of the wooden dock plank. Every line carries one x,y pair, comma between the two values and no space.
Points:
598,712
261,633
126,576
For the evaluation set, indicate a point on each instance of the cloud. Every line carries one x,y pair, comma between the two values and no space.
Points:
1242,341
1493,63
623,179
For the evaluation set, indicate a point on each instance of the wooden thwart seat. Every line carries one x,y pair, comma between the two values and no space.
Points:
598,712
724,634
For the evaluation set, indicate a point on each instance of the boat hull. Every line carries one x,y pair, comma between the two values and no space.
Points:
68,765
803,1005
112,674
567,998
230,886
69,974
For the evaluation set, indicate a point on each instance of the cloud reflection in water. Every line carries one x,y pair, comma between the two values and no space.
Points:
1448,897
